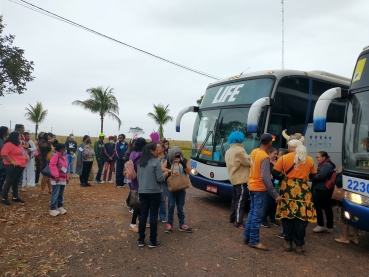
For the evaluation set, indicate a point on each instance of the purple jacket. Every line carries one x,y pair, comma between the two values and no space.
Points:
135,157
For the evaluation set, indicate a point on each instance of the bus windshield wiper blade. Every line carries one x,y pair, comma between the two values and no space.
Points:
203,144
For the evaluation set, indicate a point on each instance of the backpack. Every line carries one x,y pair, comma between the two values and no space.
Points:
129,170
331,182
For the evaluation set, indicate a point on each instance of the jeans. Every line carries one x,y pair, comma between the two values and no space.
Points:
163,204
13,176
239,198
2,177
176,198
322,201
57,197
294,229
110,165
149,202
70,160
119,173
100,164
270,207
255,217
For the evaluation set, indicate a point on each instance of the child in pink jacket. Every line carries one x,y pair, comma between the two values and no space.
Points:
59,169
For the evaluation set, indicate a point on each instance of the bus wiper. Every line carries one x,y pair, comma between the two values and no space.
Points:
203,144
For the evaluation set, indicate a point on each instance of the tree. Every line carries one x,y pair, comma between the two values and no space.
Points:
15,70
198,101
103,102
136,131
161,117
36,114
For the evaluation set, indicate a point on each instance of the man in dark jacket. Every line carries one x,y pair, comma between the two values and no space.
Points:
109,159
120,151
71,147
99,154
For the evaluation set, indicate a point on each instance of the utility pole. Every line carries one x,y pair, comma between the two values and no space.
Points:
282,34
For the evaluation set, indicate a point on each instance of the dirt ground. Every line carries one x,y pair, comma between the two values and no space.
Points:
93,239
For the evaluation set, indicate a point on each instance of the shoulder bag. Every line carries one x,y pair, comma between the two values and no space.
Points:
134,200
178,182
46,171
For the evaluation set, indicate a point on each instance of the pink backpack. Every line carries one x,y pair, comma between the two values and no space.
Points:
129,170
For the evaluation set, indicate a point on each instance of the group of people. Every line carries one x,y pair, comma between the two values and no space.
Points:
154,162
275,183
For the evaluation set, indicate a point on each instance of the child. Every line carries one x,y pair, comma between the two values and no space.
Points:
59,169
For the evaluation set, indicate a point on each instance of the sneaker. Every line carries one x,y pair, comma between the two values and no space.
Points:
102,182
163,220
111,182
62,210
185,228
141,243
155,244
120,187
6,202
97,182
274,222
88,185
169,229
319,229
281,236
18,200
54,212
329,230
265,224
299,250
134,229
83,185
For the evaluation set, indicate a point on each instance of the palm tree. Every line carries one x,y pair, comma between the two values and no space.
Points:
103,102
36,115
161,117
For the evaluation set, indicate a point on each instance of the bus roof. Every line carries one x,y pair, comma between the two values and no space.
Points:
280,73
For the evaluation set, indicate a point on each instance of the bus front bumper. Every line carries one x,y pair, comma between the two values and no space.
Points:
218,188
356,215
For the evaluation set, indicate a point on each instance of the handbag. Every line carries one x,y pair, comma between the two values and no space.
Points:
337,193
134,200
178,182
46,171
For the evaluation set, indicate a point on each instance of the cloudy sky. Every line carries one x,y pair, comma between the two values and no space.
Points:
221,38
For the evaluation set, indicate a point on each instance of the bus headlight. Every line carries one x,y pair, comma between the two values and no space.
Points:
194,171
357,198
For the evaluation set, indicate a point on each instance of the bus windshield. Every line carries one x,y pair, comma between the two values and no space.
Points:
237,93
356,140
212,128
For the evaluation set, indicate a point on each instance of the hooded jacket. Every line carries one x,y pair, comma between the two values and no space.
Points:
324,172
238,164
150,177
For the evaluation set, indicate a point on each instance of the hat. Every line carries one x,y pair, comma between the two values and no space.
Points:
111,137
59,147
266,138
101,135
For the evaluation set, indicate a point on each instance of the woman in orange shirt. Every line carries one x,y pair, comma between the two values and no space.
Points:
296,208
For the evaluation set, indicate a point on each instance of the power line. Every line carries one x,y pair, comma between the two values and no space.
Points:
55,16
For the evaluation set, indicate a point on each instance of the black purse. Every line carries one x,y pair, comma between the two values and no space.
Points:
134,200
46,171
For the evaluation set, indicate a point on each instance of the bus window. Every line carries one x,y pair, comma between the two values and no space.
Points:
290,108
356,149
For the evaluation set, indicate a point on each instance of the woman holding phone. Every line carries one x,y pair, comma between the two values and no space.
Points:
176,164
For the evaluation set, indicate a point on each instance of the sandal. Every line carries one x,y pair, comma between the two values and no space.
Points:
354,242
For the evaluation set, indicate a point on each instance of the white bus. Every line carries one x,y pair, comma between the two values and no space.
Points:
254,103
